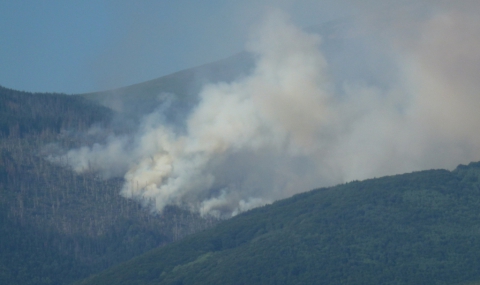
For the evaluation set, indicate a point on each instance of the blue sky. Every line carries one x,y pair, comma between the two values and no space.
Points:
84,46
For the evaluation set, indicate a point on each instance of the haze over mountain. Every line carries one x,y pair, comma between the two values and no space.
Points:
360,100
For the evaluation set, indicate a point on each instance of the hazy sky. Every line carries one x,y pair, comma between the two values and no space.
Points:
84,46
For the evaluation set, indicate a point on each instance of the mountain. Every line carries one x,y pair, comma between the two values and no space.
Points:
57,226
416,228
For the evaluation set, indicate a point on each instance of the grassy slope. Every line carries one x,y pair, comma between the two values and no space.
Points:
418,228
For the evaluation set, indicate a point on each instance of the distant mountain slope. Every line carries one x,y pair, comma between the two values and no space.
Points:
143,98
417,228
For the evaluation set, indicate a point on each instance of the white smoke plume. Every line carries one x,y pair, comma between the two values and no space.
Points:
287,127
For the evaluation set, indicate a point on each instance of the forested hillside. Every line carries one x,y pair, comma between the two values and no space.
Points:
418,228
57,226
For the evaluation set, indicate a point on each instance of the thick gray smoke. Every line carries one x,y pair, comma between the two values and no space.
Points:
302,119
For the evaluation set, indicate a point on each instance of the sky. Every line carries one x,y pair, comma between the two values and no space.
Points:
84,46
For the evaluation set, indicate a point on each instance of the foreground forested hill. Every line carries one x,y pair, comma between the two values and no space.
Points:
418,228
57,226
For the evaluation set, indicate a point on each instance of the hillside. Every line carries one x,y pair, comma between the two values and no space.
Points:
417,228
57,226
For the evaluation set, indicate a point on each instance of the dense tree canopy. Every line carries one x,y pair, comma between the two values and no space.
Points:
418,228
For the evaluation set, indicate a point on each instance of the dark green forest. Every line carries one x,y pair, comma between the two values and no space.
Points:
417,228
57,226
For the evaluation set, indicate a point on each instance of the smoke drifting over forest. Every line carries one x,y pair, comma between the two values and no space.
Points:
402,97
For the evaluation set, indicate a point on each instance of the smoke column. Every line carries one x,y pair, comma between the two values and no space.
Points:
294,123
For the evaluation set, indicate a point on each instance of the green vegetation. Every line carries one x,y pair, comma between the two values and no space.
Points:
57,226
418,228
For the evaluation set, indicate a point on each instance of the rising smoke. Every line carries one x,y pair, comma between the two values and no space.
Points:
296,123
